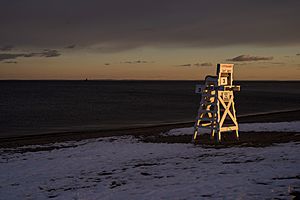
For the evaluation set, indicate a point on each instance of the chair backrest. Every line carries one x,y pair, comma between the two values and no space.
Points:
225,74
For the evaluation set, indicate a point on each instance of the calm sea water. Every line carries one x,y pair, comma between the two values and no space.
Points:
38,107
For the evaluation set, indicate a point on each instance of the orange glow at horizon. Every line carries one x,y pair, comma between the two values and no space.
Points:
154,64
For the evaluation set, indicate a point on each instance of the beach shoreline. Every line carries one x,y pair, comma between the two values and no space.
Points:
155,131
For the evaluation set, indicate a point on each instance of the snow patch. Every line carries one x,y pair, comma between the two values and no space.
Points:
125,168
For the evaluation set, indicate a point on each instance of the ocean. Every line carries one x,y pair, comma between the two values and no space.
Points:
40,107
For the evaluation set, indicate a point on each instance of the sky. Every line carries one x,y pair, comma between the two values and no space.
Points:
149,40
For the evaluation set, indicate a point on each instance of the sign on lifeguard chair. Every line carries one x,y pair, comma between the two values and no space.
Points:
217,111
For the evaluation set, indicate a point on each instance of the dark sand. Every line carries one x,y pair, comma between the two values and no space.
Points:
152,134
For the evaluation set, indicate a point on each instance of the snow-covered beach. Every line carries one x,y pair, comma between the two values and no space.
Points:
127,168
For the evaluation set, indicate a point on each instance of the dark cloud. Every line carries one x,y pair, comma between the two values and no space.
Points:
8,56
298,54
117,25
261,64
185,65
46,53
70,46
106,64
137,62
207,64
49,53
245,58
6,48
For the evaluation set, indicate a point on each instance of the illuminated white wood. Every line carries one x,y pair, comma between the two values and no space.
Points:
217,109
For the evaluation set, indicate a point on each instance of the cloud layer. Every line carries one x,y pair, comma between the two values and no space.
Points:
47,53
111,26
137,62
206,64
245,58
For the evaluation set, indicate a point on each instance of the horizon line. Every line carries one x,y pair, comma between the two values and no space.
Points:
135,80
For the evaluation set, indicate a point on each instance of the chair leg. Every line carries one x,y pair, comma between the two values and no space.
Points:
195,135
212,134
237,134
219,136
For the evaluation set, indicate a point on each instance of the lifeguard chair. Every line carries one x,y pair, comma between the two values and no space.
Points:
217,111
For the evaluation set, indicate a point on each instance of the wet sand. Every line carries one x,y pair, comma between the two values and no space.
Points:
153,133
246,139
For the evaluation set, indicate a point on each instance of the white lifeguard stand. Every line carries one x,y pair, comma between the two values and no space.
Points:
217,111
